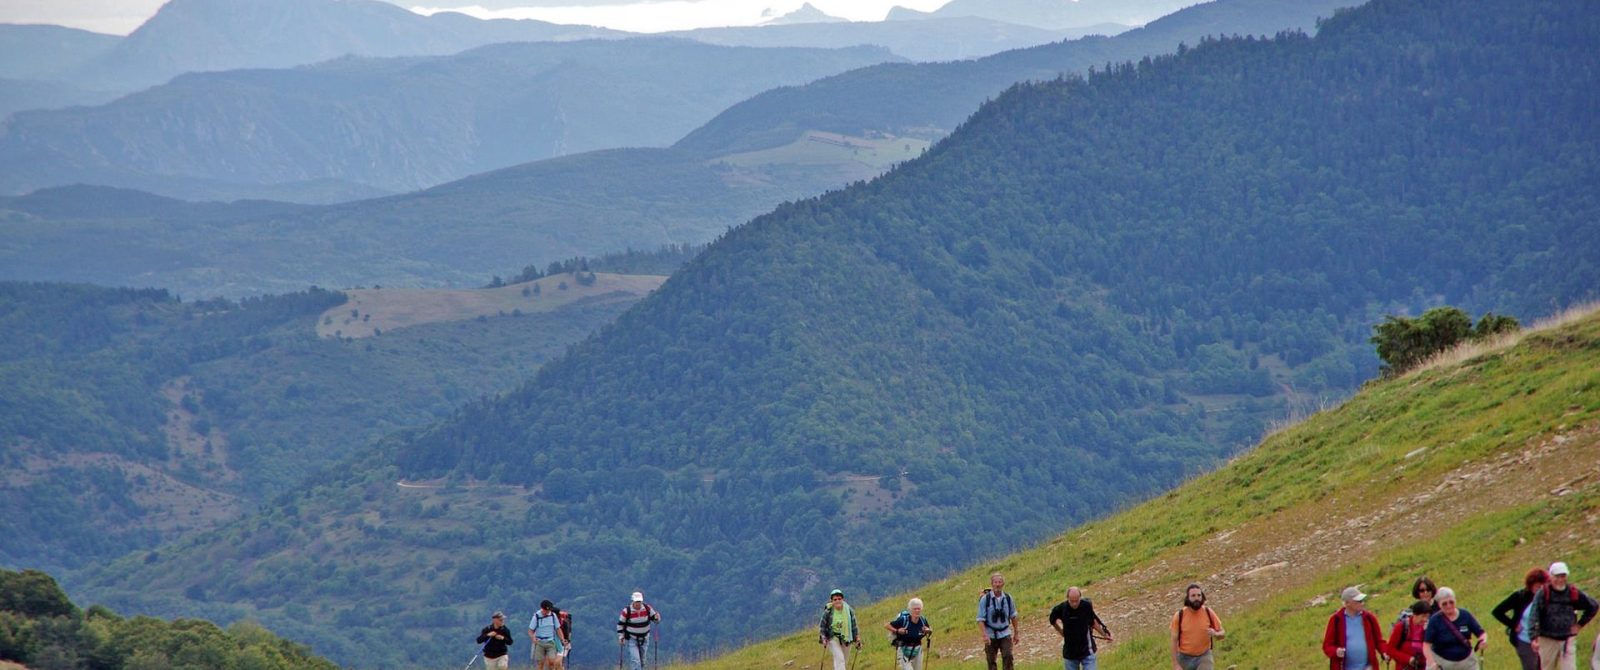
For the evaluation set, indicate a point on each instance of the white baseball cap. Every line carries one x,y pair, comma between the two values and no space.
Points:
1558,568
638,597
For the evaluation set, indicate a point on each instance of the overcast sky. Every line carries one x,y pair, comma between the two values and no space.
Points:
122,16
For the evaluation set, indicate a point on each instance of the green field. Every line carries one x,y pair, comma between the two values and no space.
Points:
1470,471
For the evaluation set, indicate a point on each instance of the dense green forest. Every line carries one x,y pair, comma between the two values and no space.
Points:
42,629
1095,288
131,417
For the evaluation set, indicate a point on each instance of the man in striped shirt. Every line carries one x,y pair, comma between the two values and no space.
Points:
633,629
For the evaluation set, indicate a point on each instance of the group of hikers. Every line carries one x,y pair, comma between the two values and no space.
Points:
1542,620
550,633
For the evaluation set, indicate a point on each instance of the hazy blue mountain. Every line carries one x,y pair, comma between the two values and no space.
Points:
1052,14
927,100
451,235
932,40
210,35
1095,288
48,52
398,124
807,13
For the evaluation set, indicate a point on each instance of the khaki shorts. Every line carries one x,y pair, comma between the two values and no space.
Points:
543,649
501,663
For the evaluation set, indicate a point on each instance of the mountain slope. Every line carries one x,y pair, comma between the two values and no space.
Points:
927,100
212,35
405,123
171,417
1092,291
1492,456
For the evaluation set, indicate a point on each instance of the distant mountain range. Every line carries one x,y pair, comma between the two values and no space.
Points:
212,35
400,124
744,162
1096,288
928,100
1051,14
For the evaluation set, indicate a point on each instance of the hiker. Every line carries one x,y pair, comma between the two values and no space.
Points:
1353,637
1511,611
997,618
563,637
909,629
838,628
1405,641
1554,620
1076,621
1195,629
544,629
633,626
495,638
1423,589
1446,641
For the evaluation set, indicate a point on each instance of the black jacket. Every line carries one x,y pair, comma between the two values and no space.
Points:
1078,627
1509,611
495,648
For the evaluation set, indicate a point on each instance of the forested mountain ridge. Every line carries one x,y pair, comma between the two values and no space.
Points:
131,418
1094,289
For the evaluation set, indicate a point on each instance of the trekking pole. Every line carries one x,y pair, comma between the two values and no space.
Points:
655,649
475,655
855,655
620,652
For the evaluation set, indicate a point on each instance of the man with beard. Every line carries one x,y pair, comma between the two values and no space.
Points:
1194,628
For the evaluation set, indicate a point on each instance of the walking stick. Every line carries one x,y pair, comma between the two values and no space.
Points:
855,655
475,655
655,648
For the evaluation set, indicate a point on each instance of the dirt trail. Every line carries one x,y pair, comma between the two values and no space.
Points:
1143,601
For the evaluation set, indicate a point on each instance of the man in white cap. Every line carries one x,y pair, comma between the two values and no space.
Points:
1553,621
1353,637
633,629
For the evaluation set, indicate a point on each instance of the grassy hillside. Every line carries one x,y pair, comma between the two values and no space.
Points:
1471,472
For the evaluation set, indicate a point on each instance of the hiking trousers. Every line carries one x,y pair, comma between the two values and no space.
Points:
1527,655
1201,662
1558,654
903,663
1085,663
841,659
636,652
1004,647
1469,663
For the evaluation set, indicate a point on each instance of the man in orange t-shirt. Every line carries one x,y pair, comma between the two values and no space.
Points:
1194,628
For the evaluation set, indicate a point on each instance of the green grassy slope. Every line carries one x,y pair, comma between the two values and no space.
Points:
1471,473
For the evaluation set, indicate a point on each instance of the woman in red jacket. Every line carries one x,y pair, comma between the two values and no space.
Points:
1405,641
1353,638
